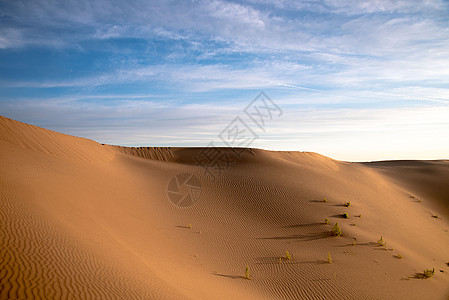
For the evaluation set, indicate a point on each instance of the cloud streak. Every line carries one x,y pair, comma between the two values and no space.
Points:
162,66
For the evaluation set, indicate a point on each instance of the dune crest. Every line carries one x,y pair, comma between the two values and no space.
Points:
82,220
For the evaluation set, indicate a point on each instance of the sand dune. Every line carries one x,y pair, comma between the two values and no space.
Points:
83,220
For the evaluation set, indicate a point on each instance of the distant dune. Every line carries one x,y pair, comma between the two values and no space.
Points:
82,220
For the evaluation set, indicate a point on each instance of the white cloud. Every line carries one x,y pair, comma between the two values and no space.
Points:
384,6
233,14
342,133
318,57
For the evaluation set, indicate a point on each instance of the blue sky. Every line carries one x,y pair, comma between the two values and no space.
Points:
356,80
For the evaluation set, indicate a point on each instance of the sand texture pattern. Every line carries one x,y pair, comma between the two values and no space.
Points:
82,220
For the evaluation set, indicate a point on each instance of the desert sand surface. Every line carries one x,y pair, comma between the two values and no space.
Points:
82,220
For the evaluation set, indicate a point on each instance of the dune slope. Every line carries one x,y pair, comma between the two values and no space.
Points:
83,220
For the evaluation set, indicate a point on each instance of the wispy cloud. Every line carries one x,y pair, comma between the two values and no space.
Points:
181,65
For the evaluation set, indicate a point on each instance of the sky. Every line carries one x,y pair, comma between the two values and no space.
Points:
353,80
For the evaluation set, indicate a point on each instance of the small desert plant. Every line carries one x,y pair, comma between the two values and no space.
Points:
329,258
247,272
280,260
435,216
428,273
347,204
353,243
190,226
358,216
399,256
324,200
345,215
336,230
326,221
381,242
287,255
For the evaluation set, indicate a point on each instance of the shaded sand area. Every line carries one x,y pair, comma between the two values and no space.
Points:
83,220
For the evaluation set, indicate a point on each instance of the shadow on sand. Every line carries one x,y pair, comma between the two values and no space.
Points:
301,237
230,276
340,216
419,276
303,225
318,201
369,244
182,226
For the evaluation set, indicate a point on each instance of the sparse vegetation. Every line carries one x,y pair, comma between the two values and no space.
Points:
280,260
247,276
358,216
326,221
345,215
190,226
287,255
399,256
381,242
329,258
336,230
435,216
324,200
352,224
347,204
428,273
353,243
